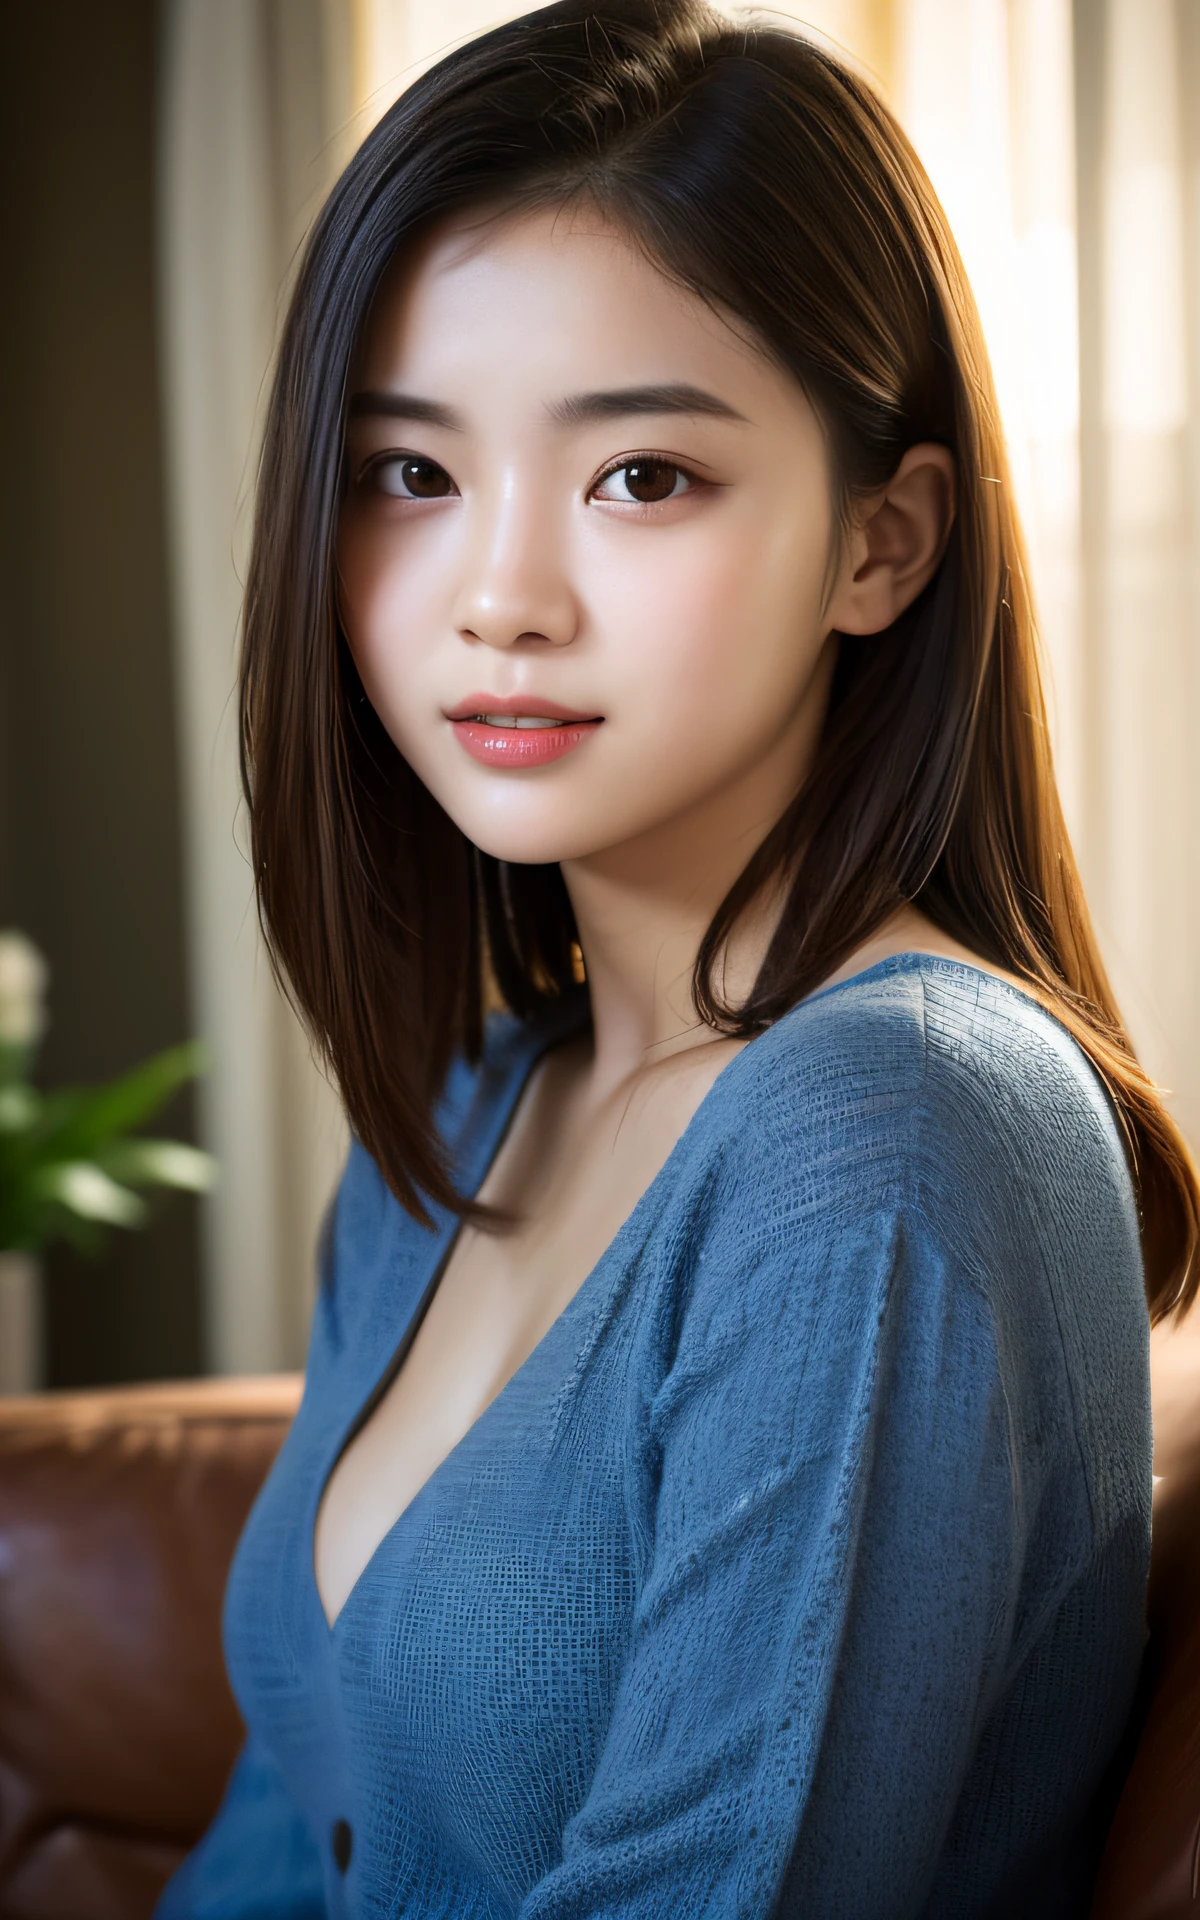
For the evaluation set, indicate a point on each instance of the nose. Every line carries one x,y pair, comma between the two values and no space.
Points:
515,587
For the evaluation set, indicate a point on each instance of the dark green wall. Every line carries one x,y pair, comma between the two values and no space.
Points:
89,810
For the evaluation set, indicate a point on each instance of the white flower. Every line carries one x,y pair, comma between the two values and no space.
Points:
23,977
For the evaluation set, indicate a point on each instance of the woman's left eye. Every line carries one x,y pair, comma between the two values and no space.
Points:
642,482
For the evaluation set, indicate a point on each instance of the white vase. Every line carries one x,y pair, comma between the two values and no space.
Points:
20,1323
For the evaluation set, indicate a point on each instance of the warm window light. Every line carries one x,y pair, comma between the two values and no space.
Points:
985,91
394,40
1145,360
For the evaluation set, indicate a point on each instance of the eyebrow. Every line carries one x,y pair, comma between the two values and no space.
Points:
578,409
404,406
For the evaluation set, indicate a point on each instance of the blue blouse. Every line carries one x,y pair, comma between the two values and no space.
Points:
800,1568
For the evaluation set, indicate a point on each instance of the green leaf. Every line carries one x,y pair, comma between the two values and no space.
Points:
86,1190
91,1118
159,1163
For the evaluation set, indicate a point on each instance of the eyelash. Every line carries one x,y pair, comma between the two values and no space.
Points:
398,457
647,458
370,469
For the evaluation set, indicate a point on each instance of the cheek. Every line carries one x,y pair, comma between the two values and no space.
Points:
721,614
391,596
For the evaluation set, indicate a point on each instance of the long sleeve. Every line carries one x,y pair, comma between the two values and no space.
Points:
257,1861
828,1600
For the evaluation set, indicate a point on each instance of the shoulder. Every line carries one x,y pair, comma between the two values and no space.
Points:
994,1057
922,1084
911,1194
924,1147
916,1028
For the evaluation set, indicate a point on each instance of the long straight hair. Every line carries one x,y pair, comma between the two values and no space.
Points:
773,183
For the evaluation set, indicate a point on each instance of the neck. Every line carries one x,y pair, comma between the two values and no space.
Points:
643,907
642,911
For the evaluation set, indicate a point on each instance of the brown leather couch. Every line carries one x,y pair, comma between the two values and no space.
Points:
118,1515
119,1512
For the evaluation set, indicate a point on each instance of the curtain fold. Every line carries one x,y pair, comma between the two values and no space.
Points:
1142,706
249,141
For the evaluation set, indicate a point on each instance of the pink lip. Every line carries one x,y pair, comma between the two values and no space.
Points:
519,746
515,703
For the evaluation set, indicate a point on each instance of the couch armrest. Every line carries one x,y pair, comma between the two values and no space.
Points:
119,1512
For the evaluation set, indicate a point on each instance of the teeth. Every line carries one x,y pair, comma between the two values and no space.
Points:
517,720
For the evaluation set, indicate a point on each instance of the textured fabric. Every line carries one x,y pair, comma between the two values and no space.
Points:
799,1570
259,1859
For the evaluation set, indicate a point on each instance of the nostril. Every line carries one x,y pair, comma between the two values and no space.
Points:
498,637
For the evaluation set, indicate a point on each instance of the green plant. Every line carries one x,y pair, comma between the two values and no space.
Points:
71,1165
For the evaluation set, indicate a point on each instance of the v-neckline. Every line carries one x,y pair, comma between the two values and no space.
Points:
560,1023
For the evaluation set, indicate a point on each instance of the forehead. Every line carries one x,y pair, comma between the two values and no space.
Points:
558,297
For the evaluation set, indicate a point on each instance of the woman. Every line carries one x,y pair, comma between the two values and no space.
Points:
722,1482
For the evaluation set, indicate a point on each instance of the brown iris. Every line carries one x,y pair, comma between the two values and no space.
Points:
412,478
650,480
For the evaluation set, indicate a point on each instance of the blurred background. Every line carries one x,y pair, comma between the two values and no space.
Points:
161,162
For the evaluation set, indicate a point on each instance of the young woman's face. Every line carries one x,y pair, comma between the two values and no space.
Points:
584,552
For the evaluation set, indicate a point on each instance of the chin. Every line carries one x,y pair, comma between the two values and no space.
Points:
546,835
530,849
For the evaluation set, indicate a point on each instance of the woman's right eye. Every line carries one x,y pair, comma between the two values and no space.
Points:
408,476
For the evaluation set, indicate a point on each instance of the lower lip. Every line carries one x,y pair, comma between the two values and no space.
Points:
522,746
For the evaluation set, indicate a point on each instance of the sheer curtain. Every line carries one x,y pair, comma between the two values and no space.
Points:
255,96
1064,141
1139,253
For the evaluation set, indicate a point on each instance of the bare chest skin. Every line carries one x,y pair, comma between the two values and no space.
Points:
573,1173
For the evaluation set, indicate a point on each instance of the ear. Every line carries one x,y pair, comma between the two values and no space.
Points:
895,544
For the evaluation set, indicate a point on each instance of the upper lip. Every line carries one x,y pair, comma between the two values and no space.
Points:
530,704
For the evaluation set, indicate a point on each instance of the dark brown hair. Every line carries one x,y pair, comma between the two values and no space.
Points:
771,181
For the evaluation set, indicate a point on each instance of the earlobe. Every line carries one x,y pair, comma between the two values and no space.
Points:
898,543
